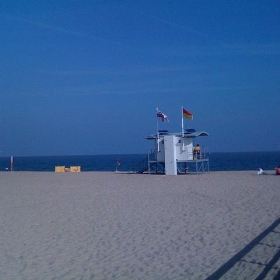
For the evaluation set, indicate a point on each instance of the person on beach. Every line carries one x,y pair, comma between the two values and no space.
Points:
260,172
196,152
186,168
277,170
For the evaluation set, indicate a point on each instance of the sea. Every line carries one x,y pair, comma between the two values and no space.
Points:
234,161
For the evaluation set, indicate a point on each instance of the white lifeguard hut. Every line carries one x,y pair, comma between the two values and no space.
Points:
175,152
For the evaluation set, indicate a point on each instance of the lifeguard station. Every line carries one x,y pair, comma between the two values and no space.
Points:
175,153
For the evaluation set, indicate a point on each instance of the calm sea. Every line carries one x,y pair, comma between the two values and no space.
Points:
217,162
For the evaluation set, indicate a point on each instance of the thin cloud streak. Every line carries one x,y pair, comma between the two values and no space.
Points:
176,25
123,71
132,88
43,25
224,50
64,31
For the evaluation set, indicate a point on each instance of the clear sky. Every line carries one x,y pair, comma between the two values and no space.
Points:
85,77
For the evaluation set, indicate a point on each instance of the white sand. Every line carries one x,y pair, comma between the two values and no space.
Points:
95,225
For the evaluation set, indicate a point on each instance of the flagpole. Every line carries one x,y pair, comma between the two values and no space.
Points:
183,144
12,163
182,121
157,134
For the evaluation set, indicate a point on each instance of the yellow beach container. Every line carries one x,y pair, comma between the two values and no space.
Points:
75,168
60,169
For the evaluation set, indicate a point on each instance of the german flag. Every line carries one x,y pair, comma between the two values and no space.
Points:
187,114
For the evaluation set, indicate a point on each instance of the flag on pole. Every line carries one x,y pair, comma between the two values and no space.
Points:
187,114
162,116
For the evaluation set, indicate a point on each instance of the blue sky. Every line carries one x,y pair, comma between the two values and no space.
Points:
86,77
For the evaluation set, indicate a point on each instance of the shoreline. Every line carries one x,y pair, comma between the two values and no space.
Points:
268,172
218,162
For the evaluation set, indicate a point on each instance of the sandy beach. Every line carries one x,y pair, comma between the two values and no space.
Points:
102,225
